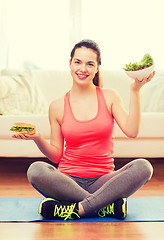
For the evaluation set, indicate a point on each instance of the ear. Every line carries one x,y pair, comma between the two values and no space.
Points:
70,62
97,68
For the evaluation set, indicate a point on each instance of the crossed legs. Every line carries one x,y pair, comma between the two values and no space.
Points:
103,191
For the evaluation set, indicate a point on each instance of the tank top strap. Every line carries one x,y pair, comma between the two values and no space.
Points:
66,98
101,100
67,109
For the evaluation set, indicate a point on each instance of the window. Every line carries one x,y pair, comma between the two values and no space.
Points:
41,33
36,33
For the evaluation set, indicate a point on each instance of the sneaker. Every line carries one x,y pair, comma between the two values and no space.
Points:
118,209
52,209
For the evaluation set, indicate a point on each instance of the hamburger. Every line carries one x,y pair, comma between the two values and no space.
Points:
23,128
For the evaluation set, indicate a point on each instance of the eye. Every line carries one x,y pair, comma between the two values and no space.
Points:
91,64
77,62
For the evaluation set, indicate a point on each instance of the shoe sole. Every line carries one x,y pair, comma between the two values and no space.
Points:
124,208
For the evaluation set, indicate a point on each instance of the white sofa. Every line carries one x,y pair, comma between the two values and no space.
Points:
25,97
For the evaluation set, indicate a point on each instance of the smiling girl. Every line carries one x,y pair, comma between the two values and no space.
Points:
85,182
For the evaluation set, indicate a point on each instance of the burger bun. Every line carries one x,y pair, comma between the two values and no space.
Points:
24,127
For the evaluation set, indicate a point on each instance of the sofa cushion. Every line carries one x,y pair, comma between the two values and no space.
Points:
20,94
53,83
151,126
120,82
152,94
41,121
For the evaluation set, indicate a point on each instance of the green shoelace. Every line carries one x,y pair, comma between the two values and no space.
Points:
106,210
65,211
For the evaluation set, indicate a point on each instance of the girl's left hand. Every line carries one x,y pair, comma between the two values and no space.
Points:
136,85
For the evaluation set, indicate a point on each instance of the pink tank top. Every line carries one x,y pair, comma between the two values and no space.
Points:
89,144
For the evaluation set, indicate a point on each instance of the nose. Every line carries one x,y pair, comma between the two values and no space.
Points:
83,68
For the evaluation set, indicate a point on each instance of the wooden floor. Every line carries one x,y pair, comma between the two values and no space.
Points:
13,183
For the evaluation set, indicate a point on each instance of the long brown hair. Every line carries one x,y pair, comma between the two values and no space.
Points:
92,45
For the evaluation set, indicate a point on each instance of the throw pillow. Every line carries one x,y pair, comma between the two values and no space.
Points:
20,94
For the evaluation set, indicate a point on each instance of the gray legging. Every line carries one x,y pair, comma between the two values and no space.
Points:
93,193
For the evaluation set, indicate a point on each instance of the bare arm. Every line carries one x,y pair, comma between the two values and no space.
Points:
130,122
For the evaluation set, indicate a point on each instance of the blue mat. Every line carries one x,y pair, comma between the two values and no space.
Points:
140,209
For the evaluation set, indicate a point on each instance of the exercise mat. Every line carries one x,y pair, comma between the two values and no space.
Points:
139,209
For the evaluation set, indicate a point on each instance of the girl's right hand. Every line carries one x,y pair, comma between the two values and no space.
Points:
26,136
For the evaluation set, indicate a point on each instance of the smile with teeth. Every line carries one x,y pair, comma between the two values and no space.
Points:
82,76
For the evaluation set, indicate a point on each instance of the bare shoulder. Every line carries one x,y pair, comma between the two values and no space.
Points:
57,104
56,109
110,95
